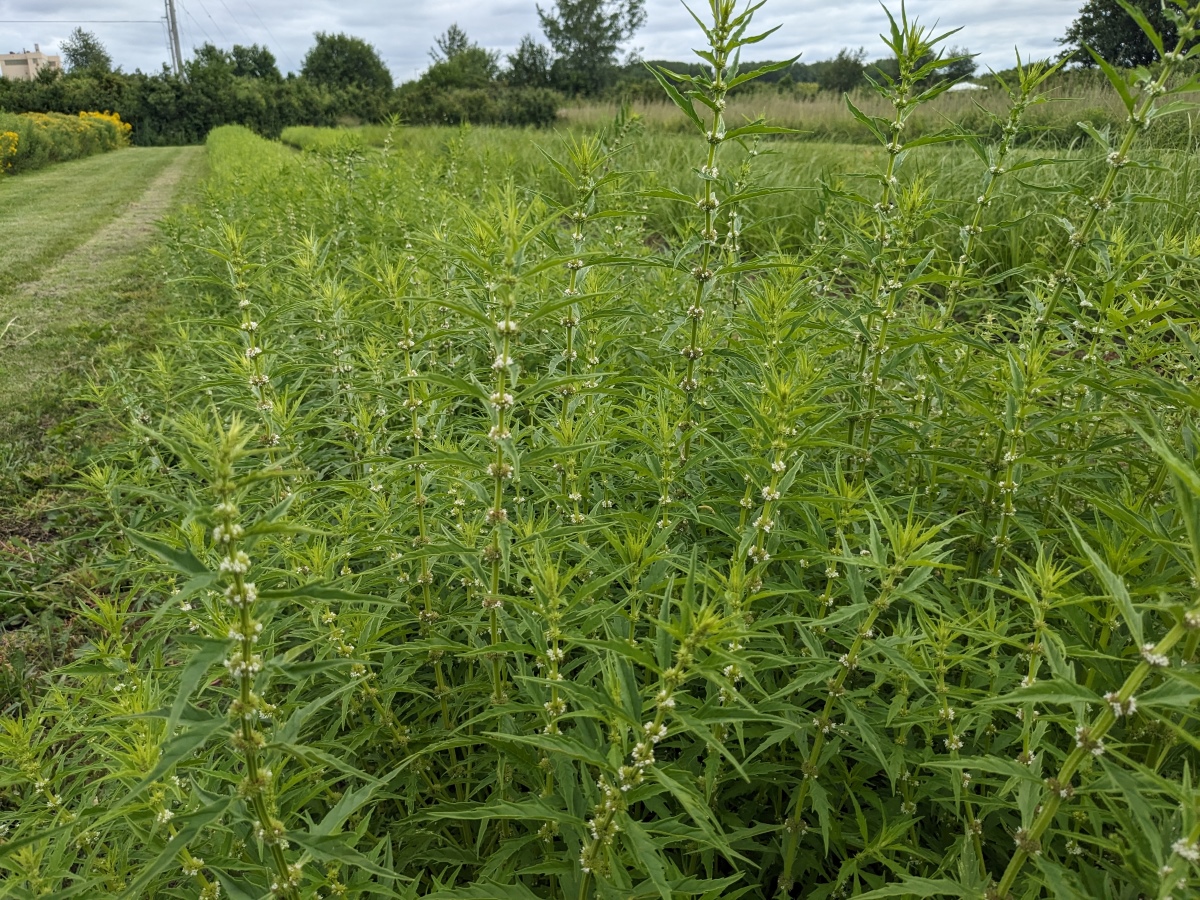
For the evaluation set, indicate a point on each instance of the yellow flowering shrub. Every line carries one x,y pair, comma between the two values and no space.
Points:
31,140
9,141
124,129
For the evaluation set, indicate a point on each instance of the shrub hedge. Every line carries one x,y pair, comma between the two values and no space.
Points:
31,140
492,105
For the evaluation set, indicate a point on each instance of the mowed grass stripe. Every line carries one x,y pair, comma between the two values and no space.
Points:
46,214
70,270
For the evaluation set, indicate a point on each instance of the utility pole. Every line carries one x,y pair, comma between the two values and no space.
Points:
173,28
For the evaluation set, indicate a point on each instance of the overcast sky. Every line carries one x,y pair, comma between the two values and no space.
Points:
403,31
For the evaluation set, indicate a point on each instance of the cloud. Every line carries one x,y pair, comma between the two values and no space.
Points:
403,32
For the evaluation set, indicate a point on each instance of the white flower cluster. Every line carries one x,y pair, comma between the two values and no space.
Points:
1085,741
1120,707
1185,849
288,884
192,867
1158,660
240,667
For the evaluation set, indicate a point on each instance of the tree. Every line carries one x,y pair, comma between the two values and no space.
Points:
472,68
255,62
83,52
585,35
844,72
339,61
460,63
209,58
450,44
964,65
529,65
1109,30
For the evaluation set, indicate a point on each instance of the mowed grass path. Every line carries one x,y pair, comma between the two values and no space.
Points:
72,270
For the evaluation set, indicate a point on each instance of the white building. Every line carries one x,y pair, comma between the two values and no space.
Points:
24,66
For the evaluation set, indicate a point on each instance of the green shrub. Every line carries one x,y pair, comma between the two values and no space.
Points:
495,105
164,109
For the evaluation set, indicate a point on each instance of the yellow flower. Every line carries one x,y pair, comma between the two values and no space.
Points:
9,141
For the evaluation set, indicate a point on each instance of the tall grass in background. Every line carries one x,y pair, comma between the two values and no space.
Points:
628,514
824,116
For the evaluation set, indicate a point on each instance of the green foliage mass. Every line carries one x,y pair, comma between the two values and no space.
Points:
584,36
554,525
82,51
1107,28
341,61
464,85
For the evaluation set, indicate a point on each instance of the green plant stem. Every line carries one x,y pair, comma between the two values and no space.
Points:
809,767
991,181
1104,195
243,666
1051,800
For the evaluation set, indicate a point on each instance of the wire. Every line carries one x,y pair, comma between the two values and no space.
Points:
233,18
187,12
274,40
80,21
224,39
167,37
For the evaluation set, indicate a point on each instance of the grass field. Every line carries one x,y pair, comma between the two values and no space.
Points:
620,513
80,291
69,231
826,118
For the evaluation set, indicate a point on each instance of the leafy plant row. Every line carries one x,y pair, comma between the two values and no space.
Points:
479,538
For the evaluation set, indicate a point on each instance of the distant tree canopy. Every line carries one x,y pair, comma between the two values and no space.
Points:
530,64
1109,30
339,61
460,63
850,70
958,64
844,72
465,83
242,86
83,52
451,44
585,35
254,62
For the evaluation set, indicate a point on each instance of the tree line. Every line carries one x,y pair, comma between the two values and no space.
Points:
344,79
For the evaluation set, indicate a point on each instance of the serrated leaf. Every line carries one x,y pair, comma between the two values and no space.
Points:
180,559
1115,587
188,826
918,887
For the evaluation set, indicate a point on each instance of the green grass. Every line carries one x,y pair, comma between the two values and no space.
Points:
81,286
309,137
663,517
45,214
66,275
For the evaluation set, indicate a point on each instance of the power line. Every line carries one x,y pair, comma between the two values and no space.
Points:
197,23
80,21
235,21
216,25
274,40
